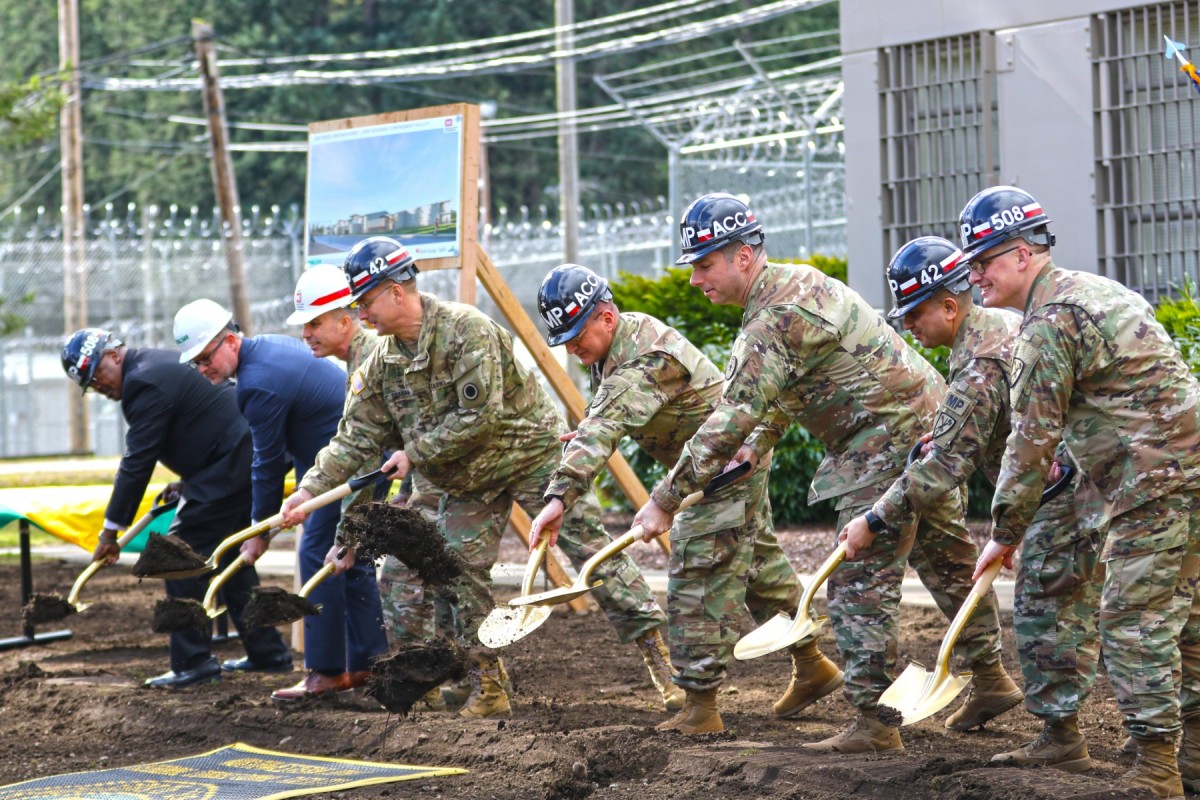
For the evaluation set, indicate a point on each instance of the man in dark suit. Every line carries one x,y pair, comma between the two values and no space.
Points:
293,403
194,428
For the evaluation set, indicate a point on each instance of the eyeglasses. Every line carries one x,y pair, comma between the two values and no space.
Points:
205,360
980,267
365,304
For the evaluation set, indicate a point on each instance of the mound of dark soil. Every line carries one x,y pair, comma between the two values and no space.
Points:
172,614
271,605
404,675
43,608
382,529
166,554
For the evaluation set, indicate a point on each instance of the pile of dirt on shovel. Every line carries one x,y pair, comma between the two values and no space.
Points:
272,605
172,614
43,608
164,554
410,669
382,529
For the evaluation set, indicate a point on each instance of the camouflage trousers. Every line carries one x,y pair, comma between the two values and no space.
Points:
473,527
724,559
1148,615
1055,610
864,594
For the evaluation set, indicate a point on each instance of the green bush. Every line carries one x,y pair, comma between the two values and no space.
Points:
1181,318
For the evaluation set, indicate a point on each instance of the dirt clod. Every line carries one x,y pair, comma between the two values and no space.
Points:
382,529
172,614
890,716
270,605
404,675
43,608
166,554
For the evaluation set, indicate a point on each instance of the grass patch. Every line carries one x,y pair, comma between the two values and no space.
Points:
10,536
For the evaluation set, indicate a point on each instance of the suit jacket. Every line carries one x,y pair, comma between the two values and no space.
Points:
293,403
177,417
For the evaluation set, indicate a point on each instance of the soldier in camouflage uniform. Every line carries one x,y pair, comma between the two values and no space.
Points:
446,392
652,384
1091,367
812,350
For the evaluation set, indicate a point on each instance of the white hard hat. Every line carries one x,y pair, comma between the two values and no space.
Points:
321,288
196,324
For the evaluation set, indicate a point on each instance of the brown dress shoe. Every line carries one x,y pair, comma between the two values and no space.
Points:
356,680
314,685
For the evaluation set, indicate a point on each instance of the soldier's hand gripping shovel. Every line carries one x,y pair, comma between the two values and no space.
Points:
583,584
918,693
783,631
202,566
506,624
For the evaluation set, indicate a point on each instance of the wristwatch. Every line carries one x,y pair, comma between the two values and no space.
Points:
874,523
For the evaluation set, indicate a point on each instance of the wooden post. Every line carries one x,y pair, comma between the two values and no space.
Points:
557,377
224,181
74,275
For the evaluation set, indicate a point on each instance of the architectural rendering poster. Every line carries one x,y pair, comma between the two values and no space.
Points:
401,179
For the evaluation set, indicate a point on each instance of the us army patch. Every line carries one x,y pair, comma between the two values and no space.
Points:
1023,361
943,424
731,368
356,383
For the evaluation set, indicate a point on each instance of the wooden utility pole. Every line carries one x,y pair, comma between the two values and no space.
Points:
71,146
224,181
568,139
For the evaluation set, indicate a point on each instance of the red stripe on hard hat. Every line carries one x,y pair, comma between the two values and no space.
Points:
397,256
329,298
951,262
362,278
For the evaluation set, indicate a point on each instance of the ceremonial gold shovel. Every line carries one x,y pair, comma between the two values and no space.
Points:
506,624
783,631
334,494
583,584
214,586
128,536
918,693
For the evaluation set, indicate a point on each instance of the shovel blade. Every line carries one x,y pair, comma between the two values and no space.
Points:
919,693
553,597
506,625
776,634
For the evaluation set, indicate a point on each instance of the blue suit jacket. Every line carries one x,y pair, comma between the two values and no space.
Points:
293,403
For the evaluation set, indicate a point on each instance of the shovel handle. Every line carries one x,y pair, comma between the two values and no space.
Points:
981,587
827,568
312,582
535,562
214,586
128,536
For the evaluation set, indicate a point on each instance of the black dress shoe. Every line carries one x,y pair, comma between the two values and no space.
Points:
208,672
246,665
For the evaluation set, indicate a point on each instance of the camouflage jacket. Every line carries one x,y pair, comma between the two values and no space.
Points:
654,386
812,350
361,344
1093,367
468,415
972,422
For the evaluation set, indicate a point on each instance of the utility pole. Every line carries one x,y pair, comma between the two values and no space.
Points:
568,144
224,181
71,147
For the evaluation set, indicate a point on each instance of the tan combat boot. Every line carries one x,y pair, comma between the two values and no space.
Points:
1189,754
865,735
431,702
455,697
699,714
813,677
488,698
1060,745
658,662
1156,769
992,693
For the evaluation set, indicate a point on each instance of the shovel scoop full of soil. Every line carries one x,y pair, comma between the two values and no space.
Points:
381,529
270,605
164,554
43,608
404,675
172,614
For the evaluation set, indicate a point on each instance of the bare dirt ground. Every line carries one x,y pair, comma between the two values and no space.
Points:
583,722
